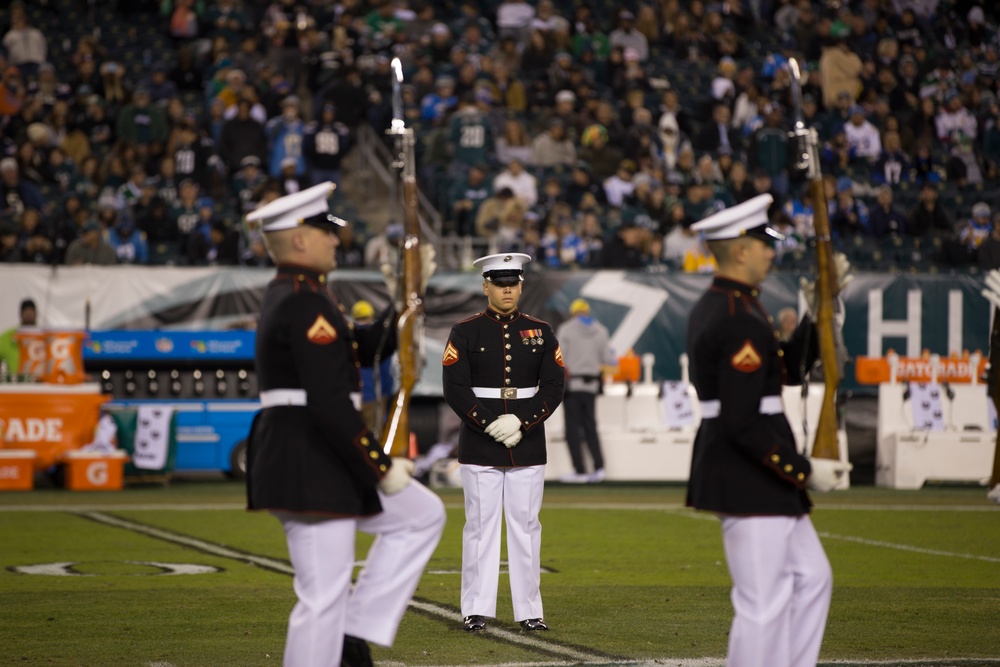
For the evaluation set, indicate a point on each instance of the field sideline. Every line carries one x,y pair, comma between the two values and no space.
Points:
183,576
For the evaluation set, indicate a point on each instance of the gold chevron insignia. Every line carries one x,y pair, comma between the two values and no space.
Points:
321,332
747,359
450,355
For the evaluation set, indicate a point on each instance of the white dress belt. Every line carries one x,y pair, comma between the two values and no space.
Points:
769,405
272,398
506,393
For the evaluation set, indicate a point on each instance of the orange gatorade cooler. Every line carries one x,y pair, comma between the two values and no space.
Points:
33,352
17,469
64,358
93,471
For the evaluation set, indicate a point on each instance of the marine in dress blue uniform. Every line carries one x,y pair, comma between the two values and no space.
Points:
745,466
314,463
503,375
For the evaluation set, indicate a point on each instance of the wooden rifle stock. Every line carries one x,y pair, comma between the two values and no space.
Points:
804,143
826,444
994,378
410,325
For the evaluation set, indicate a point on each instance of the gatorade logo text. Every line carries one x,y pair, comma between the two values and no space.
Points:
32,429
97,473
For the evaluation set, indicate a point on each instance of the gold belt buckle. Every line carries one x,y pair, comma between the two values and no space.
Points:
510,392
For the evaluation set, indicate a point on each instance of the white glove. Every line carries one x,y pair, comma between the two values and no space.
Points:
514,439
504,427
992,289
428,266
397,477
844,276
994,494
826,474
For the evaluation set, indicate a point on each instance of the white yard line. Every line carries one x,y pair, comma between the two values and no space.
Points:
570,654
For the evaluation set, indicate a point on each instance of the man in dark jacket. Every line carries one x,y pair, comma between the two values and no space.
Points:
314,464
745,466
241,137
503,375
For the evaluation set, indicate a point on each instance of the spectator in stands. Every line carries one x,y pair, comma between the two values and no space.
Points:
561,246
12,92
893,166
242,136
513,18
35,239
603,158
131,191
620,185
624,250
327,143
25,44
350,253
192,154
885,219
246,181
626,36
227,20
437,105
582,184
467,195
285,135
10,249
849,215
130,244
954,121
470,136
383,248
863,141
840,69
972,233
552,148
219,246
699,259
928,216
768,149
90,248
963,166
514,143
718,132
16,194
521,183
988,257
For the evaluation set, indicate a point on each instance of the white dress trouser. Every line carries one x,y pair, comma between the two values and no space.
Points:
322,554
782,584
518,493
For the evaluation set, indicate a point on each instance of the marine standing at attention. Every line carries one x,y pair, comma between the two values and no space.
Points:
503,376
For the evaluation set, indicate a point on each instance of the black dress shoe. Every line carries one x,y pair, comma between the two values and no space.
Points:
474,624
533,624
356,653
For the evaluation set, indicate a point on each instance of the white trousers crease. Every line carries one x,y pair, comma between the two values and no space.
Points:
322,554
782,585
516,493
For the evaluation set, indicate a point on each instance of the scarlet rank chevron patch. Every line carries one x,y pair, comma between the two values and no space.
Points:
559,359
321,332
747,359
450,355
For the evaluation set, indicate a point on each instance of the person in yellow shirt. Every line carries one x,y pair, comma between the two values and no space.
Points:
9,352
699,259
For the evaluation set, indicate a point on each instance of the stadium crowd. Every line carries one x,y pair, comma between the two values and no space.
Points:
587,134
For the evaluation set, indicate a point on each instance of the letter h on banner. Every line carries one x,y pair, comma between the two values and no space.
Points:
910,329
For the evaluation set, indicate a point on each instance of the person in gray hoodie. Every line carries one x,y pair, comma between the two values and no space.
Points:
586,349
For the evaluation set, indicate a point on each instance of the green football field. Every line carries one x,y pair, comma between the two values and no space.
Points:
183,576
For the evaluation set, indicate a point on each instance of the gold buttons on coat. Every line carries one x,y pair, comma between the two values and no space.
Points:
775,458
788,467
781,353
364,441
801,476
373,454
382,467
